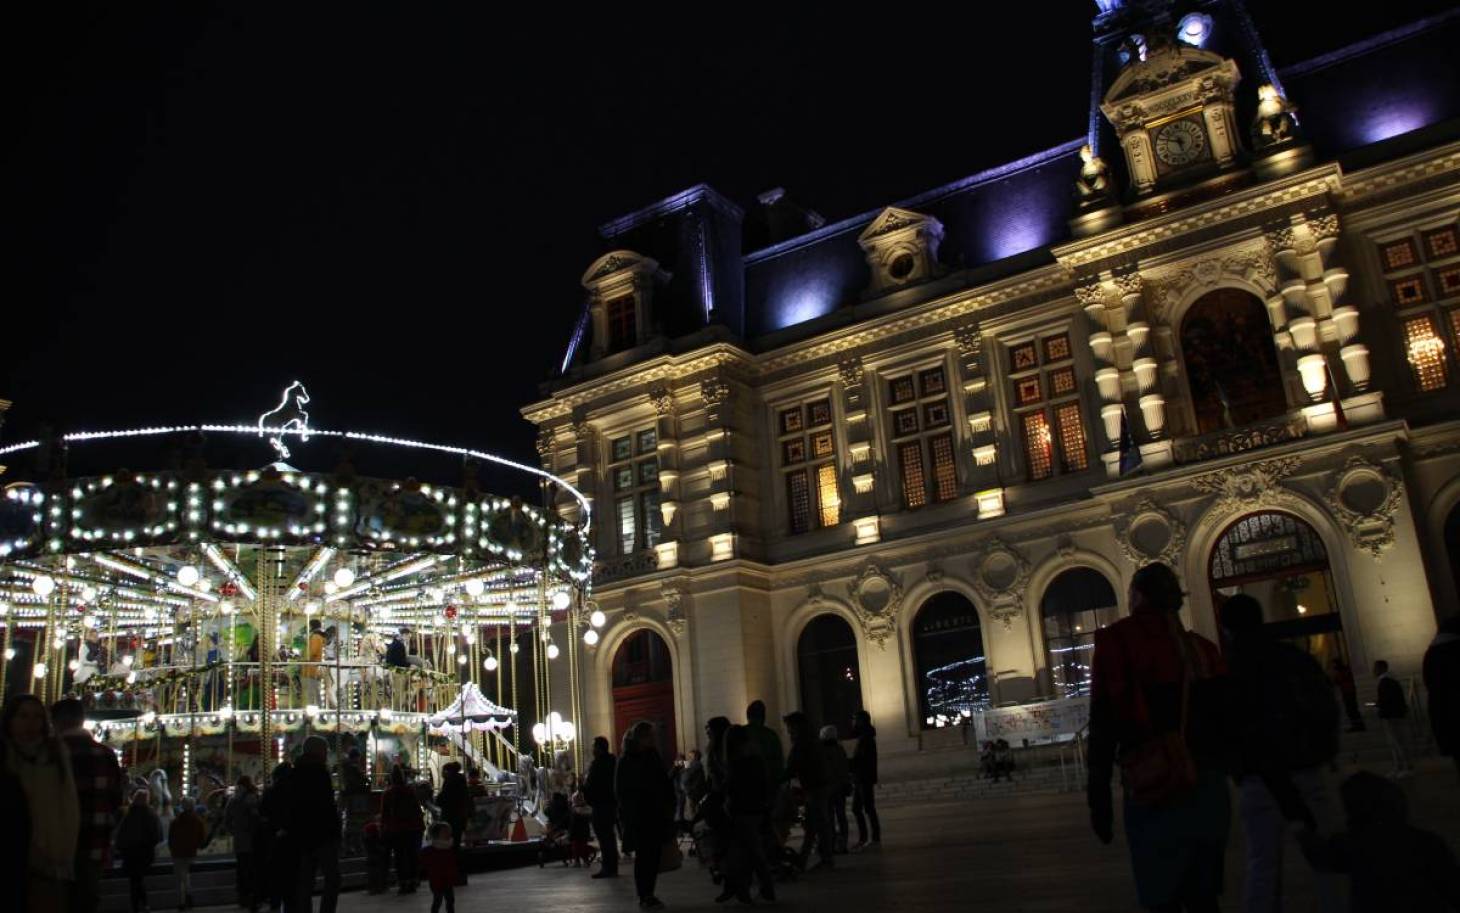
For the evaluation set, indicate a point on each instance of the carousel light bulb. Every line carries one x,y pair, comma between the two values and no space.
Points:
9,652
511,607
344,577
43,585
88,593
547,636
490,664
539,733
450,648
311,607
461,659
226,606
149,718
331,588
205,584
516,648
567,731
73,665
552,651
561,600
590,637
40,670
471,638
131,678
4,608
128,660
188,575
474,587
88,621
311,710
598,619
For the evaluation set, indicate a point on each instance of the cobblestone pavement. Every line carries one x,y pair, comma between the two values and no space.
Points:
1020,853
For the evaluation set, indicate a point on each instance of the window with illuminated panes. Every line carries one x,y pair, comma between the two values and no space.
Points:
807,446
1422,274
920,427
1046,406
633,473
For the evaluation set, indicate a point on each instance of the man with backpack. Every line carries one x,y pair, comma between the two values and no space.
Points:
1287,736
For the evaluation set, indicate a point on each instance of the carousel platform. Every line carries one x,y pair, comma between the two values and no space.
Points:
213,880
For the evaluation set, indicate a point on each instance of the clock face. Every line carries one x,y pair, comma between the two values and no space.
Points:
1180,143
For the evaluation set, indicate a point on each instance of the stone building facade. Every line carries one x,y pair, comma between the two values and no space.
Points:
910,460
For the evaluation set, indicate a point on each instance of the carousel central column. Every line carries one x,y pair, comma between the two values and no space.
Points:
268,576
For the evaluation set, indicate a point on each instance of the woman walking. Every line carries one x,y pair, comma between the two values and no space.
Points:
1159,704
137,839
41,768
646,808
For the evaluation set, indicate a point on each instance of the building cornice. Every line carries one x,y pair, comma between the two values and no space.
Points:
637,377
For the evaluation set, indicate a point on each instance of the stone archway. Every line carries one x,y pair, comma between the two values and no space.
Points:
828,672
642,677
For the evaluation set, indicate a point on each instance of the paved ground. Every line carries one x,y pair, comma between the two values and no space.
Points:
1021,853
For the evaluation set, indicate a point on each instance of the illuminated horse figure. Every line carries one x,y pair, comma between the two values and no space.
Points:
161,796
289,415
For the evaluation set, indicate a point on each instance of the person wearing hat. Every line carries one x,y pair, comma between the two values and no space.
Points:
1160,703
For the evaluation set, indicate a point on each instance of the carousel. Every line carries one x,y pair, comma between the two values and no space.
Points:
213,614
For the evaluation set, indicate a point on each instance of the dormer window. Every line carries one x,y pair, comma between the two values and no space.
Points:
901,248
620,289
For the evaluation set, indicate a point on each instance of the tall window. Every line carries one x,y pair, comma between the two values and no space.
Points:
1047,406
634,471
952,671
831,685
922,436
622,323
1422,270
1076,604
808,463
1231,364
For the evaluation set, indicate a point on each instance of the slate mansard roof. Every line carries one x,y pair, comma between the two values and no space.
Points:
737,275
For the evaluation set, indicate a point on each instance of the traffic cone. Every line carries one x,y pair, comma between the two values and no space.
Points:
519,831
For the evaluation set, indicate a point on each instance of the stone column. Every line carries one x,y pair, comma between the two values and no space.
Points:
666,432
982,466
720,464
583,474
859,476
1142,371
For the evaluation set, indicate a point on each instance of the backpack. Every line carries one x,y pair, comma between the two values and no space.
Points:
1300,709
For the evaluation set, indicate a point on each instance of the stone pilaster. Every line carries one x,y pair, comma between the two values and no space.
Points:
981,469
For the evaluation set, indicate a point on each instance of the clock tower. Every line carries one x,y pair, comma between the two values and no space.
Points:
1173,112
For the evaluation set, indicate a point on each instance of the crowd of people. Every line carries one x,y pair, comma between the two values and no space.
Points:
740,797
1181,719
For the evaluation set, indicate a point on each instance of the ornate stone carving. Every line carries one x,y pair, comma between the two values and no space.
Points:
714,390
969,339
1128,282
876,598
675,615
1147,532
850,369
1000,573
1090,293
1241,440
545,438
630,565
1363,497
1251,485
1253,266
935,572
1065,547
663,400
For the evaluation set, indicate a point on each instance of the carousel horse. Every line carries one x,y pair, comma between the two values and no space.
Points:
530,780
88,663
560,776
289,415
161,800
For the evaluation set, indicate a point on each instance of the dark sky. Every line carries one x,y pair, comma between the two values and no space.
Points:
394,202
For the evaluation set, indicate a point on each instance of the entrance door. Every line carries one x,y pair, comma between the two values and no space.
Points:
643,689
1280,561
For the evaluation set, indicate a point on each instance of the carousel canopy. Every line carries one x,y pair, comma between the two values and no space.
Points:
472,712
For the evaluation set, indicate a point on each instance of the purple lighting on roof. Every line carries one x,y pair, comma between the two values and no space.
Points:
811,297
1399,116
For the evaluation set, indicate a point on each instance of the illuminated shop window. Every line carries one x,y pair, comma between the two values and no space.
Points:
948,655
1075,605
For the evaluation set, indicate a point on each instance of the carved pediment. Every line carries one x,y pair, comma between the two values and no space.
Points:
1164,67
615,263
901,247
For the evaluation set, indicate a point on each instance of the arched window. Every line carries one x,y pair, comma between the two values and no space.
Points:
1075,604
952,671
831,683
1231,364
1280,561
643,689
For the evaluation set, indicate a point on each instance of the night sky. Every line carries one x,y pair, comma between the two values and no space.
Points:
395,203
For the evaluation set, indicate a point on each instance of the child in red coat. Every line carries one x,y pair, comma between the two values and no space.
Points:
438,864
